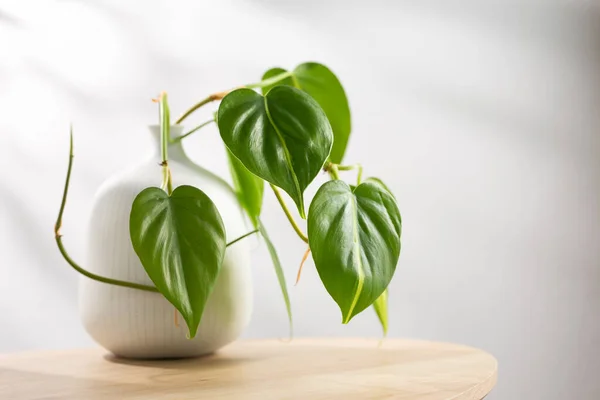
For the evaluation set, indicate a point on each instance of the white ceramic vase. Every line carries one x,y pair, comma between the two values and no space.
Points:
138,324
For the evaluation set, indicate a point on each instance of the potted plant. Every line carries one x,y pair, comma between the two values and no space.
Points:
166,238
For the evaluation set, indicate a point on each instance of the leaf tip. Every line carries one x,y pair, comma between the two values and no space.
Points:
192,331
291,337
346,318
301,211
384,327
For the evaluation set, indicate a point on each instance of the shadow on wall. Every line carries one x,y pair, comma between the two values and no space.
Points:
7,19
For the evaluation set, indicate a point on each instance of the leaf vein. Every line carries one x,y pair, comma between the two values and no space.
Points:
288,157
361,273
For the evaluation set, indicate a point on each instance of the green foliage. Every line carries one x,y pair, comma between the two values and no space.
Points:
354,236
273,73
299,125
283,137
278,271
321,84
380,182
180,240
249,188
381,308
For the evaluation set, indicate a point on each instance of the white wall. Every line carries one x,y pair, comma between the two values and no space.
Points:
482,117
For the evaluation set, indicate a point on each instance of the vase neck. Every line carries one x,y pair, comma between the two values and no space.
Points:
175,150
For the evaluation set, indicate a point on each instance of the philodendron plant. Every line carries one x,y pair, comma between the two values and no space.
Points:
283,130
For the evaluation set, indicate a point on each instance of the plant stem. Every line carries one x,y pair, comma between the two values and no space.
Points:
62,249
165,133
234,241
202,125
306,253
333,171
163,116
99,278
352,167
220,95
209,99
169,181
289,216
270,81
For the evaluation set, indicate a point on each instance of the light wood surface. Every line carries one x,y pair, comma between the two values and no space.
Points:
263,369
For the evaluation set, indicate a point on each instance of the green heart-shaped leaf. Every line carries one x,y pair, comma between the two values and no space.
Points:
379,182
272,73
249,188
354,237
180,240
318,81
381,308
283,137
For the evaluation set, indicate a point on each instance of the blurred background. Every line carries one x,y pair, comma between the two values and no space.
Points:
482,116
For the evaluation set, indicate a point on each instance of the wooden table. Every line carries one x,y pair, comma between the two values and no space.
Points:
260,369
